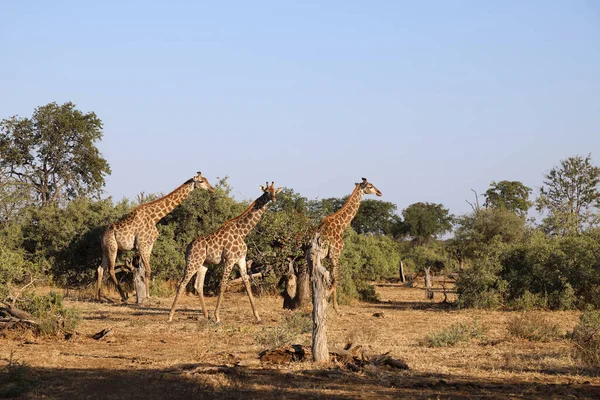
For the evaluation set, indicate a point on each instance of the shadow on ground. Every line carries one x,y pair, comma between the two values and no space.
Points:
276,383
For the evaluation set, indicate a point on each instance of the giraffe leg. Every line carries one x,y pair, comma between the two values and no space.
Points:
99,285
145,251
200,288
334,258
246,280
187,276
109,259
222,287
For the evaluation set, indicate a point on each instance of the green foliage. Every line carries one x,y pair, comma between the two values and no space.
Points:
432,256
376,217
54,152
586,338
66,241
533,327
508,195
425,221
456,333
481,228
282,233
15,266
562,270
569,195
540,272
480,286
50,312
365,259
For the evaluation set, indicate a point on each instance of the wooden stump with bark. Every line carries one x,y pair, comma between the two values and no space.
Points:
320,283
139,281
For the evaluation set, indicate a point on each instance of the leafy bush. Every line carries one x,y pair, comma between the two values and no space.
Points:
51,314
15,266
533,327
586,338
453,334
366,259
541,272
529,301
480,285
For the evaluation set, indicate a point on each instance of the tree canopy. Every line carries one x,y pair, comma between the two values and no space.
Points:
569,194
376,217
510,195
54,152
425,221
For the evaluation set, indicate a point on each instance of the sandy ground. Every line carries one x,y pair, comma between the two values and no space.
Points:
148,358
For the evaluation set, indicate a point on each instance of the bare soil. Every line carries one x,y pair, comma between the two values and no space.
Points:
148,358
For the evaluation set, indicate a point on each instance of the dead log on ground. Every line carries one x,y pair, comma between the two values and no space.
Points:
102,334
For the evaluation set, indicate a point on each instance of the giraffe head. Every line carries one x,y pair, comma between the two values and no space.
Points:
202,183
271,191
368,187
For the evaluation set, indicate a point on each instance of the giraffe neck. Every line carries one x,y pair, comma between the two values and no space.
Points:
348,211
157,209
247,220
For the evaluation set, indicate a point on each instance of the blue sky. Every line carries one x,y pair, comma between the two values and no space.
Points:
426,99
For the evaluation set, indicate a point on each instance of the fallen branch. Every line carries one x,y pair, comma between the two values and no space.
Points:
240,280
16,312
20,291
102,334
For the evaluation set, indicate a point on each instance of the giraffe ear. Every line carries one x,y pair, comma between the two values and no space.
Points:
278,190
262,188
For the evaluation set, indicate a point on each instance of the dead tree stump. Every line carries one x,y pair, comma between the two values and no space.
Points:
289,294
320,283
401,272
139,281
428,285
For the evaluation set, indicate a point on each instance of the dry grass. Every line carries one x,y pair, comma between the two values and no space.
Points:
139,360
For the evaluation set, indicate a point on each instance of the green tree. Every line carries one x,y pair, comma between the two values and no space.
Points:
480,229
426,221
376,217
569,196
54,152
510,195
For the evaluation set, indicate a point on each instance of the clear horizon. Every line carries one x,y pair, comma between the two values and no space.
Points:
427,100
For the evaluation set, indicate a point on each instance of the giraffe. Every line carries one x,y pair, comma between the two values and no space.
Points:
138,231
332,230
224,245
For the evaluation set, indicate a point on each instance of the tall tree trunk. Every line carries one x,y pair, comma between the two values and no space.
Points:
428,291
320,282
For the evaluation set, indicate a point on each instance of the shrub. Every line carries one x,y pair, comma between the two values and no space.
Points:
480,285
533,327
453,334
365,259
51,314
586,338
529,301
